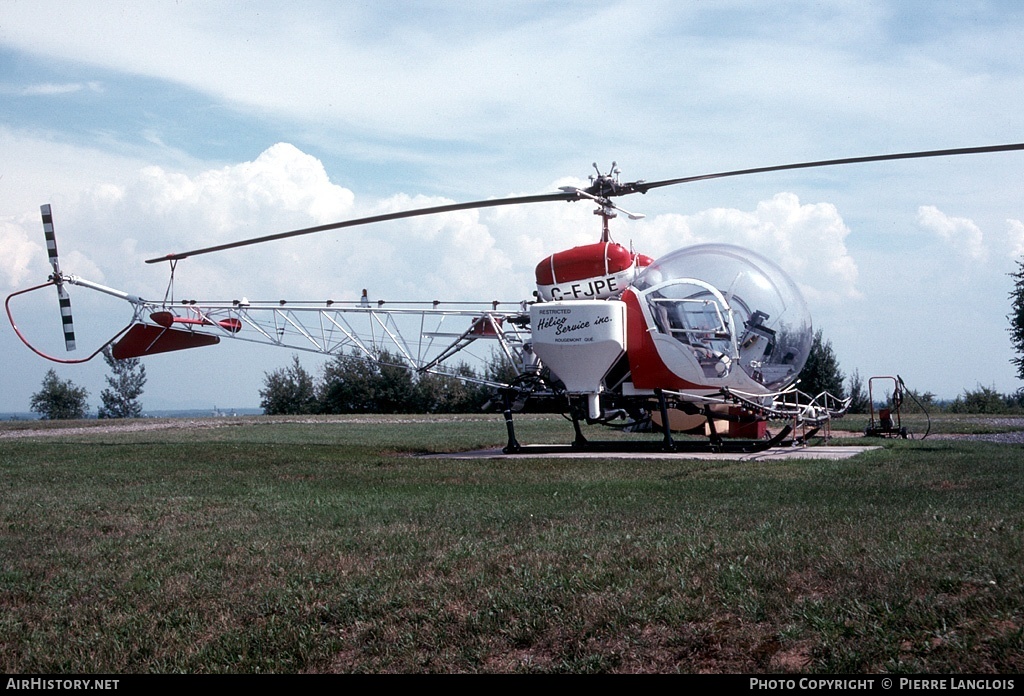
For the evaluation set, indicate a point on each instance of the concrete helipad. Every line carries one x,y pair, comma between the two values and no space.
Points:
776,453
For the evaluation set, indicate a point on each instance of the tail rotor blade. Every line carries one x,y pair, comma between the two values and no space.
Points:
65,317
62,295
51,239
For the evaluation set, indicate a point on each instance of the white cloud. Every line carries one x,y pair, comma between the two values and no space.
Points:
23,257
56,89
1015,237
806,240
468,255
569,69
281,179
961,234
18,254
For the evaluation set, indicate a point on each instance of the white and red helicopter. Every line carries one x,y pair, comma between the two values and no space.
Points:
703,335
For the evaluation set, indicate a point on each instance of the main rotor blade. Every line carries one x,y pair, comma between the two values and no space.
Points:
645,186
600,189
541,198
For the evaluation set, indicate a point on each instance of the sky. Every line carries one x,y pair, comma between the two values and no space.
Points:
164,126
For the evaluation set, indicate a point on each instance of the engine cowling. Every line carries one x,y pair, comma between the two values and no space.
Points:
596,271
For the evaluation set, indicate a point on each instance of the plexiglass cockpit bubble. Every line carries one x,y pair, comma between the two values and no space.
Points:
734,308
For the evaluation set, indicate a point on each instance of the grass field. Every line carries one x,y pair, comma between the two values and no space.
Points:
272,546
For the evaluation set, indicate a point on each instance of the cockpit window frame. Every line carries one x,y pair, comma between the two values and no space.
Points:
726,331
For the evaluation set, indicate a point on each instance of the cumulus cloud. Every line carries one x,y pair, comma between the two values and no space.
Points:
961,234
466,255
806,240
160,211
23,257
107,229
282,180
19,253
1015,235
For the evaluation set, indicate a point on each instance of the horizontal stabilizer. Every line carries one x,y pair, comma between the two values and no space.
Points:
168,319
145,339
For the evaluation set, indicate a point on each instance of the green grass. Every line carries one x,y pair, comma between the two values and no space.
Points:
941,423
329,547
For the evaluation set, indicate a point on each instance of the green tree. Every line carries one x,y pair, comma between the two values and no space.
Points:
59,399
916,402
821,372
499,368
354,383
982,400
1016,317
128,378
447,394
395,386
289,391
858,394
348,385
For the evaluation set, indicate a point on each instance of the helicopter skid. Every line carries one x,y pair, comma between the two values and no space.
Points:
712,446
775,454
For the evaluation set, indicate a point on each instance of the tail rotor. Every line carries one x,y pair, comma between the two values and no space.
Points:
58,279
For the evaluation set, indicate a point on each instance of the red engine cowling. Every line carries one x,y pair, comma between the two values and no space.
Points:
589,272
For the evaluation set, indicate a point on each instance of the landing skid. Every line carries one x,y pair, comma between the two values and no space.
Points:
725,446
800,440
714,444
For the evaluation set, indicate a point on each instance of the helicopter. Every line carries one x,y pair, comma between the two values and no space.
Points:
703,337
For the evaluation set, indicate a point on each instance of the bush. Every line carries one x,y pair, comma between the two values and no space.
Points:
349,385
289,391
59,399
444,394
355,383
984,400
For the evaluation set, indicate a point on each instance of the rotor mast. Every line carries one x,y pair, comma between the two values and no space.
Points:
602,188
606,210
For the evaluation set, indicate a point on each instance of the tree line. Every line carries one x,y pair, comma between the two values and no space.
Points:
352,383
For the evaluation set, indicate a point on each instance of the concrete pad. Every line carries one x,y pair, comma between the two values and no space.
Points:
774,454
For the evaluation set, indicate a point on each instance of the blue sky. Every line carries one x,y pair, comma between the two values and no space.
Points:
162,126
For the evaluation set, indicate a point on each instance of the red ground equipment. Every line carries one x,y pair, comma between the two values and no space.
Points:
888,423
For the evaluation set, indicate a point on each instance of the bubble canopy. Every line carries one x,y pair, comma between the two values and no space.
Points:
730,302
